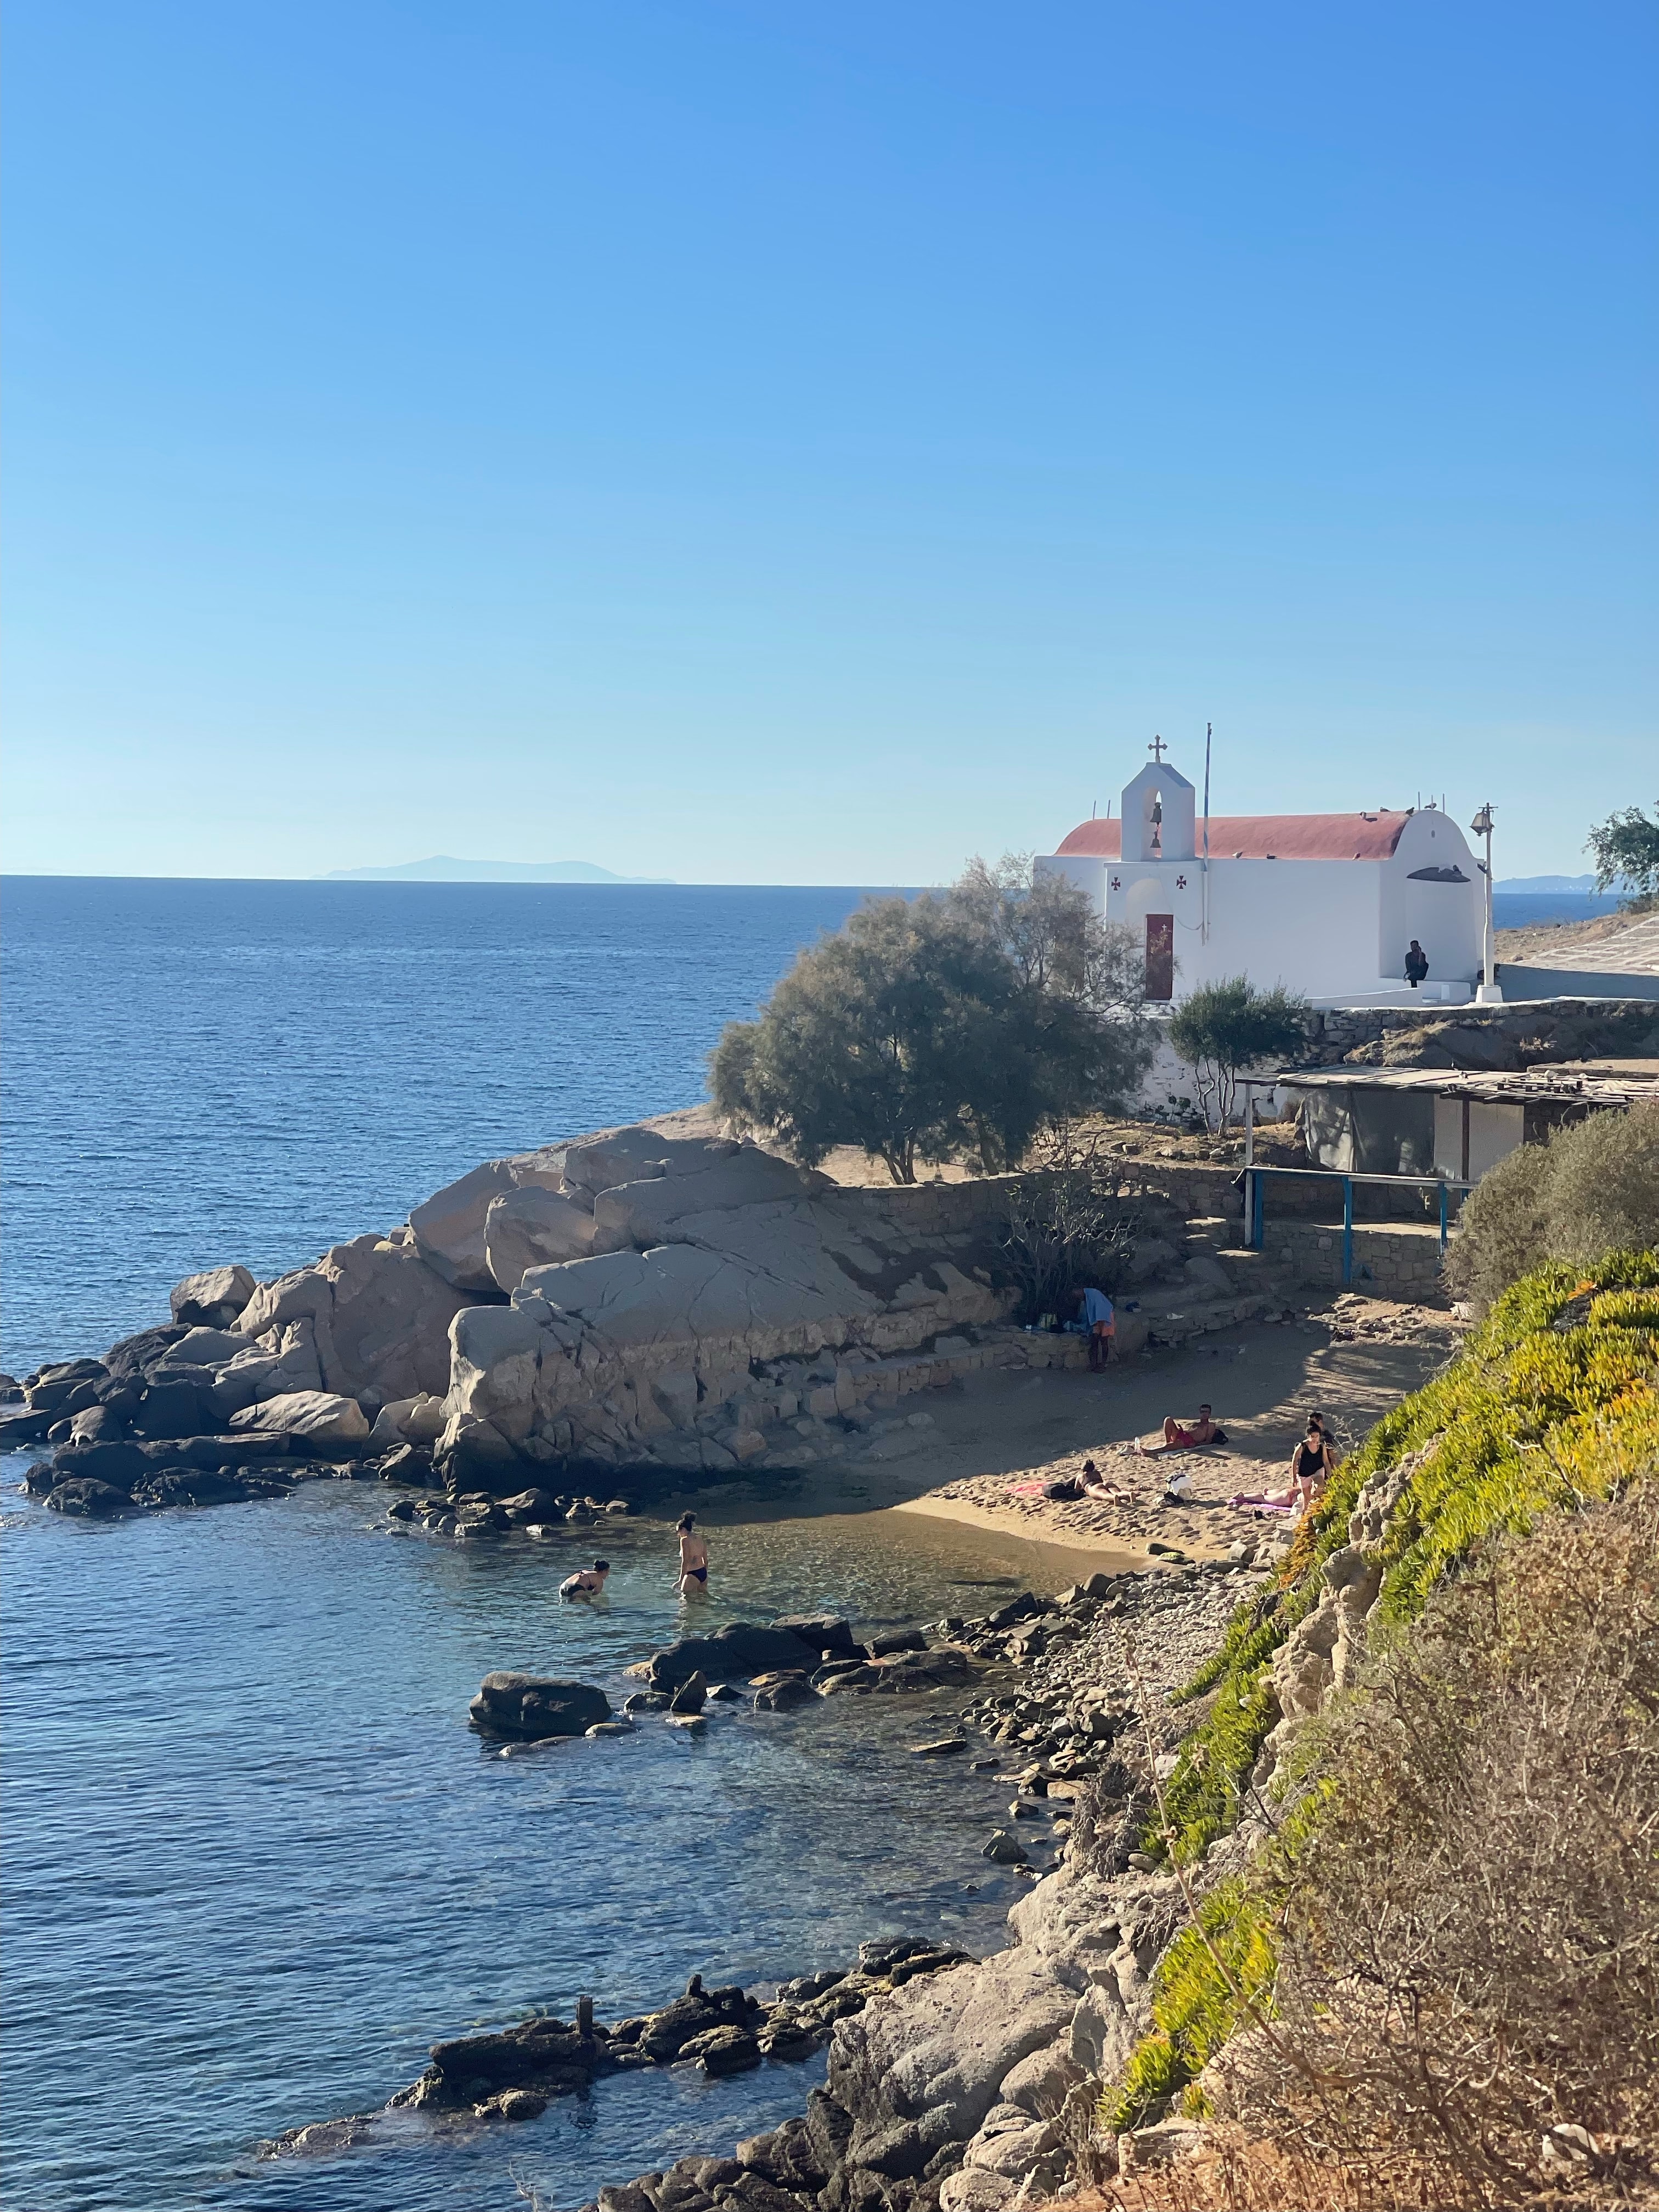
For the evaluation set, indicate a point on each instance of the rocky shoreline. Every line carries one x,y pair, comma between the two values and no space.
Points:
950,2079
614,1314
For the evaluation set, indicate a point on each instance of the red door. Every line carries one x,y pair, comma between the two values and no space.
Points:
1160,956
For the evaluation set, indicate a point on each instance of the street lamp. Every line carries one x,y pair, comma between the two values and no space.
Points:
1487,994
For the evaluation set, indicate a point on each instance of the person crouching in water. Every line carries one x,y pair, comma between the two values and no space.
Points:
694,1559
1100,1321
586,1581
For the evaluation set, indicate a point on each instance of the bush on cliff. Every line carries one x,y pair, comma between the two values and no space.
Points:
1500,1734
948,1025
1592,1187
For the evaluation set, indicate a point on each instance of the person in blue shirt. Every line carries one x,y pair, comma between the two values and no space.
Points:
1095,1309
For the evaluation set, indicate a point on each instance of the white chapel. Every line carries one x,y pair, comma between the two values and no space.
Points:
1326,904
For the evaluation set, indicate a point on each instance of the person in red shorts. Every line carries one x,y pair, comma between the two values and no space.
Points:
1182,1436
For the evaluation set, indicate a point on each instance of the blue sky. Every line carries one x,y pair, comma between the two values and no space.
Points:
798,443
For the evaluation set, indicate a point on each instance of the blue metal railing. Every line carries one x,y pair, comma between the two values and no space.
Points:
1256,1201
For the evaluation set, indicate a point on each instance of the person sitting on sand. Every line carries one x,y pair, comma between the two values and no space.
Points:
1096,1311
586,1581
1190,1436
694,1559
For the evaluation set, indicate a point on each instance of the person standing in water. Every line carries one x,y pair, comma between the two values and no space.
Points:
694,1559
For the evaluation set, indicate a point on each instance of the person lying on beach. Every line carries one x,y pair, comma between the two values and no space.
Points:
1091,1484
586,1581
694,1559
1184,1435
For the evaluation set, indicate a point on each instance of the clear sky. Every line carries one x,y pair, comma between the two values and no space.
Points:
811,442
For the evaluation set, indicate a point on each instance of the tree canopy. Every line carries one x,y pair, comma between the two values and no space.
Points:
1625,848
961,1023
1222,1029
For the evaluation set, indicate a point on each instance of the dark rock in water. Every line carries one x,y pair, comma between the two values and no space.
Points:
190,1486
99,1423
1004,1849
901,1639
739,1649
42,1478
647,1701
128,1359
723,2051
116,1460
823,1632
408,1463
690,1697
173,1409
781,1694
89,1500
699,2011
17,1429
537,1705
529,1506
543,2056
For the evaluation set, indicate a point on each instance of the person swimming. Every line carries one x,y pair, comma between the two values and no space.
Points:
586,1581
694,1559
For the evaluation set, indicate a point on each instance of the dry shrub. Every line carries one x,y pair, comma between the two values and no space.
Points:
1234,2171
1592,1187
1469,1934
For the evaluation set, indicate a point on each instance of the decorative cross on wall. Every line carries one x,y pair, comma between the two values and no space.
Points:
1180,883
1117,882
1157,749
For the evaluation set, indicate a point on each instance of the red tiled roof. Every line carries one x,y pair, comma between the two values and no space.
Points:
1255,836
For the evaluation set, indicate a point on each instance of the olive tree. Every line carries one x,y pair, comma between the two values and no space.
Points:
957,1024
1222,1029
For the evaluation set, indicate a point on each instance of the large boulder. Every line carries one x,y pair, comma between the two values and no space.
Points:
536,1705
315,1419
717,1179
174,1408
89,1500
215,1298
448,1228
379,1315
533,1227
731,1654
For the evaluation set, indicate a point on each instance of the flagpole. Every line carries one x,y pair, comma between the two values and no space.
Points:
1204,934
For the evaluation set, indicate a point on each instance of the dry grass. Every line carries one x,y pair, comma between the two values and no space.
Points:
1468,1937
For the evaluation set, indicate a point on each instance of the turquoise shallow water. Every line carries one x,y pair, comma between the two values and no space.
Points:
254,1862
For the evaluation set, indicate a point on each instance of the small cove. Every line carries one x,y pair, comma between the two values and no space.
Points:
257,1862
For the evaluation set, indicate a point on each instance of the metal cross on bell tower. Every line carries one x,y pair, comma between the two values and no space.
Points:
1157,749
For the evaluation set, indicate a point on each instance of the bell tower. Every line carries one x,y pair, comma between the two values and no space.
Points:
1160,812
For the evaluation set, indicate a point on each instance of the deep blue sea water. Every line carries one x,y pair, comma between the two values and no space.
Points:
254,1862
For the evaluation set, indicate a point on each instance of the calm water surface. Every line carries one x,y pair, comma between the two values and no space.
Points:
254,1862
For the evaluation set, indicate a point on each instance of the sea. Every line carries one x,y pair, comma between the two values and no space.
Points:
254,1862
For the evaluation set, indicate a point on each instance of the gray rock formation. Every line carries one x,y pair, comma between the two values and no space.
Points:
308,1418
215,1297
537,1705
533,1227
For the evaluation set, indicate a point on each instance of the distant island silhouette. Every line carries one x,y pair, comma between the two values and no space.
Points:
444,869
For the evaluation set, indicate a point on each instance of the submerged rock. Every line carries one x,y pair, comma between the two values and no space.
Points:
89,1500
537,1705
